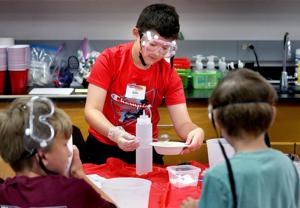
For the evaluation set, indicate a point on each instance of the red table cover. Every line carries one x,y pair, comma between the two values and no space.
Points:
162,193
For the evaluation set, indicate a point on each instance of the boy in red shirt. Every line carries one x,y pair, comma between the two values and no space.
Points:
132,77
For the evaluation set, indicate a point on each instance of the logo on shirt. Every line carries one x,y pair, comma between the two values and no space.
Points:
127,110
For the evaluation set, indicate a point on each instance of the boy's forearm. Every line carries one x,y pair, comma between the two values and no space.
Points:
185,129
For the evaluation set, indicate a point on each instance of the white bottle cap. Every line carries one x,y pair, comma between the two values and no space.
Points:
143,119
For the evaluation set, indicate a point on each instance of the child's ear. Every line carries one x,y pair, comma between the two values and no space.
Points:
274,115
135,33
41,155
214,115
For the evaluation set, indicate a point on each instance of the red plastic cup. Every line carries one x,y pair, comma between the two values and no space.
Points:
2,81
18,80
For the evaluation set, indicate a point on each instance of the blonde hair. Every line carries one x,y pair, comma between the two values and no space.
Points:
13,123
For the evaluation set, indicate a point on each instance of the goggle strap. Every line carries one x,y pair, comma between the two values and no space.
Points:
142,59
25,155
140,54
171,61
230,175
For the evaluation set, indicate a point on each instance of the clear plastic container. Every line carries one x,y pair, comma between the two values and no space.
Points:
183,175
205,79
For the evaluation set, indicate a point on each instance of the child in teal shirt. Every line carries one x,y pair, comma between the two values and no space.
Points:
242,108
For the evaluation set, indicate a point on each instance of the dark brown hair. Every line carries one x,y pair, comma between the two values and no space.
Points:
243,102
162,18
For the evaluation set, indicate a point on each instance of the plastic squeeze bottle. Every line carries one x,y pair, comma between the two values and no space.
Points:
222,64
198,62
211,62
144,153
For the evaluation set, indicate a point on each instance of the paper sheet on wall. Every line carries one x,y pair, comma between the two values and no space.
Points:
96,179
51,91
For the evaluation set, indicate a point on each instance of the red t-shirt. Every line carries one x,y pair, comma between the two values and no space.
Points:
114,70
49,191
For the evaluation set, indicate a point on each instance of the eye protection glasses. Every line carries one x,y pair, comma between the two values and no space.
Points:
153,43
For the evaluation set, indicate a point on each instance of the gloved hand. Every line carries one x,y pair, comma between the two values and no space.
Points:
124,140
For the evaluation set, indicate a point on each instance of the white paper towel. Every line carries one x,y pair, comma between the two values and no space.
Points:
7,41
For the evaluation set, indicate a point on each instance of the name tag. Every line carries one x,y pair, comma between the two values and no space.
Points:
135,91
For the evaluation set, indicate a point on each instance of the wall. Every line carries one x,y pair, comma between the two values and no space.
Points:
269,52
110,20
217,27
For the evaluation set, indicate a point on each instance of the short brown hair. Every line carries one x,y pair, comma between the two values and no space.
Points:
243,100
162,18
13,123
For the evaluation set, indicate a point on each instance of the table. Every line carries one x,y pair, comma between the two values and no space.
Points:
162,193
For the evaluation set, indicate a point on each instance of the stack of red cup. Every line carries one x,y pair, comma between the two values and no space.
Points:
18,66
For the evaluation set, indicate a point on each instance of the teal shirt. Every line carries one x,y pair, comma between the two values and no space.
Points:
263,179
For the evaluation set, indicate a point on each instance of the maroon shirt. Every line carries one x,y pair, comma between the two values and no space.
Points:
50,191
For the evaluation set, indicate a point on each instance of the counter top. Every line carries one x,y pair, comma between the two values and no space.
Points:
192,95
72,97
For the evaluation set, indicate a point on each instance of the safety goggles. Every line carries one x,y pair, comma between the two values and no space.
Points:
153,43
39,132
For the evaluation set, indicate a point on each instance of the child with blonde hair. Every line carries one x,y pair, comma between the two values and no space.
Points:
34,142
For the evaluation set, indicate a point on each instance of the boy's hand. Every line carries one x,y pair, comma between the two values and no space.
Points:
194,140
189,203
76,167
124,140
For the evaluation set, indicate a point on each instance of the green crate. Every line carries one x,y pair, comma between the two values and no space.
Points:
184,75
205,79
184,71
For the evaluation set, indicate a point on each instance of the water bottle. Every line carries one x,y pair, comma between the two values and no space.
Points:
144,153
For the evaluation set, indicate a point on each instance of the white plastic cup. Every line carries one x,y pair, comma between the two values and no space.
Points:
297,165
215,155
3,67
18,56
3,57
128,192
